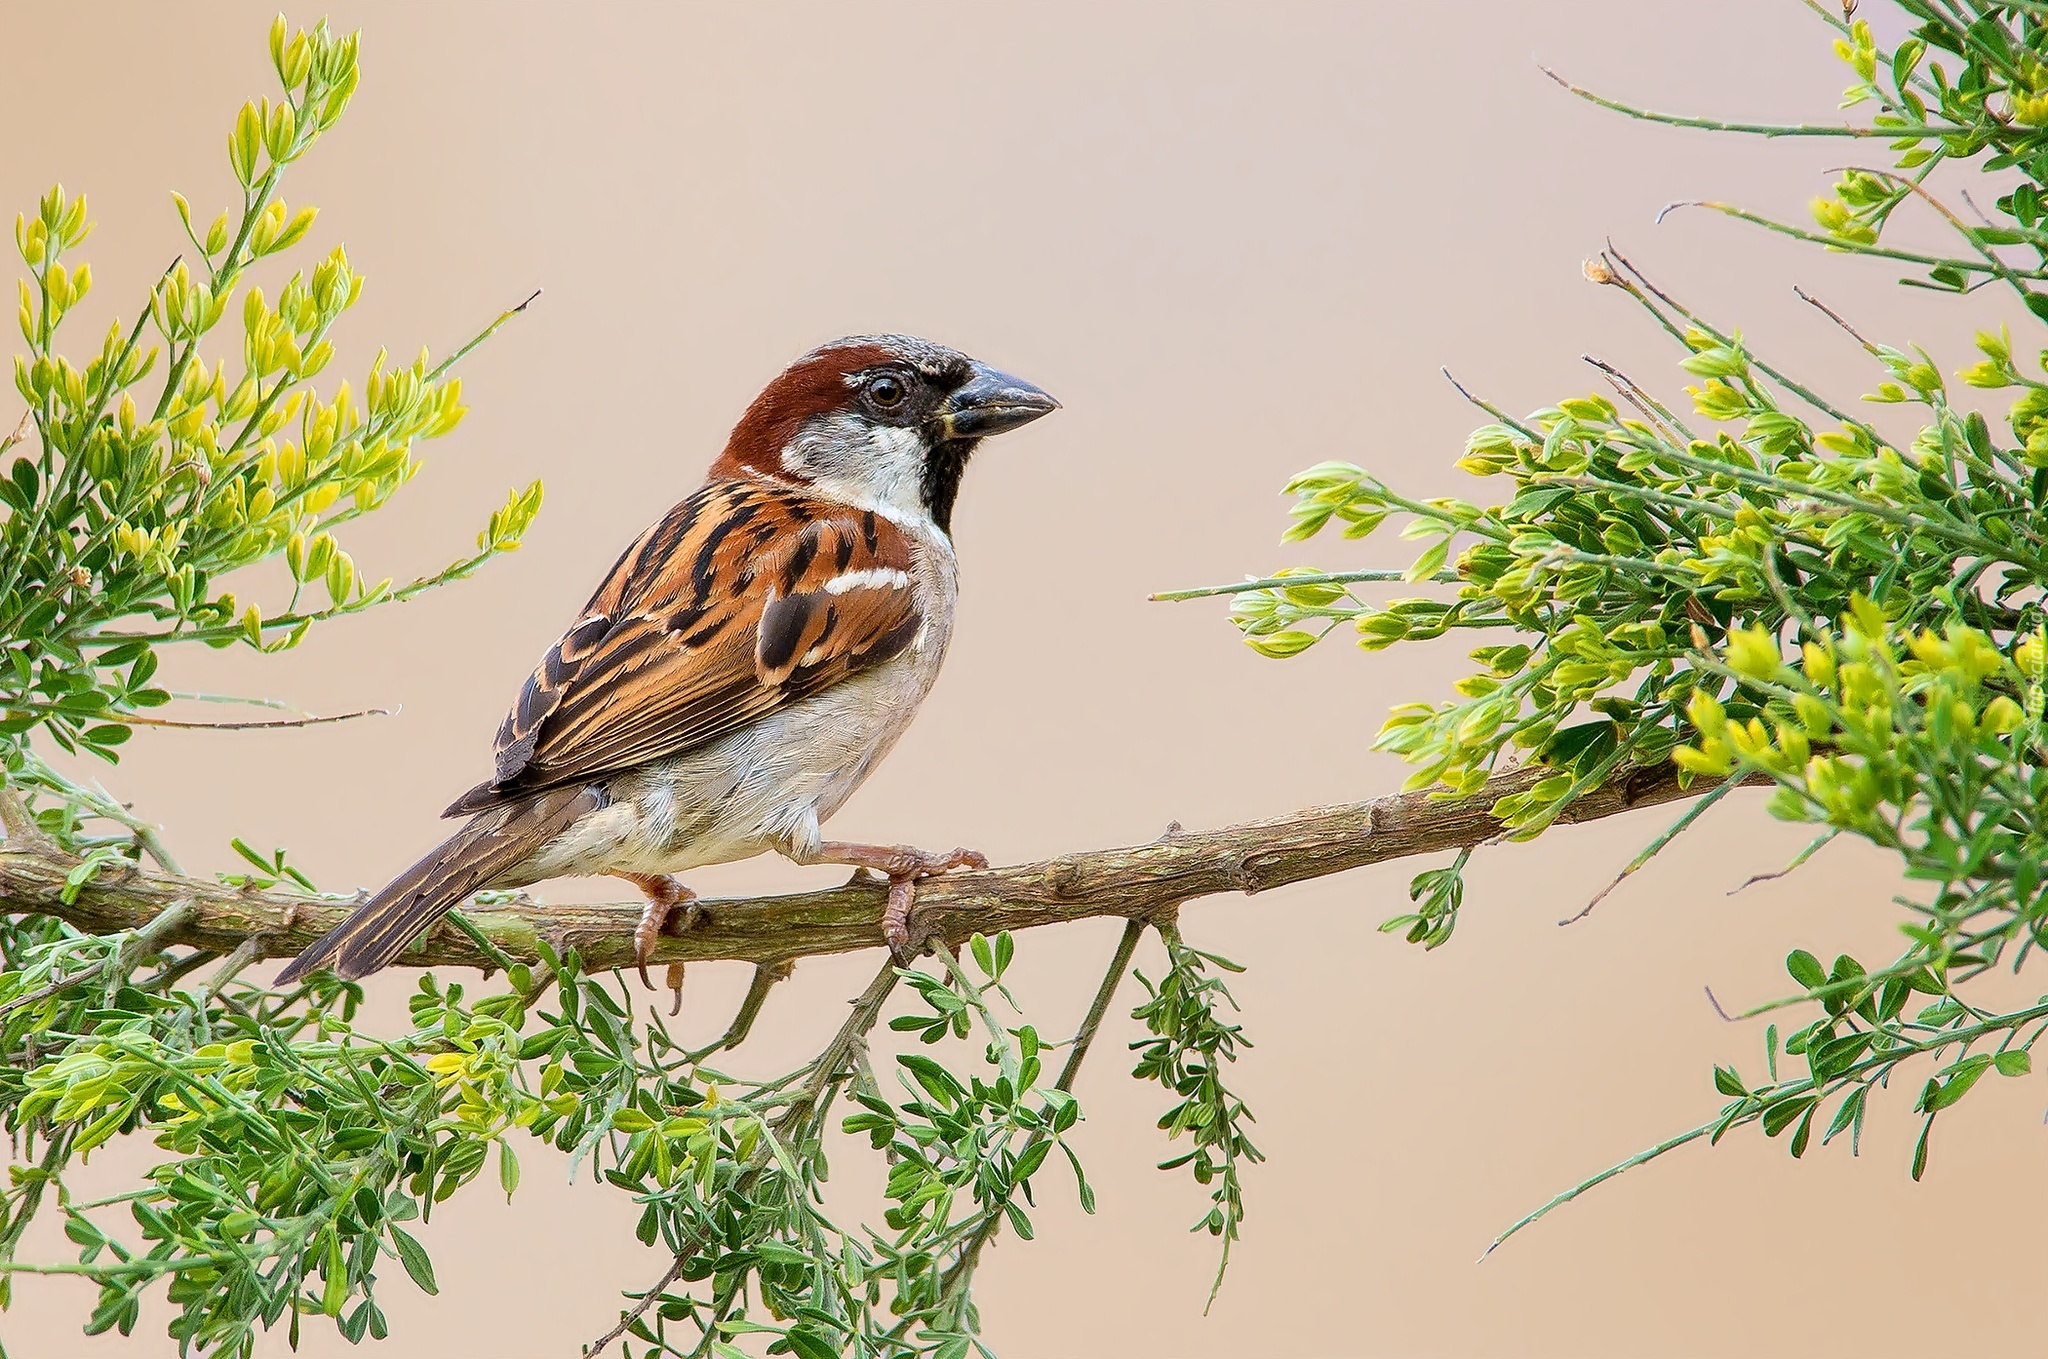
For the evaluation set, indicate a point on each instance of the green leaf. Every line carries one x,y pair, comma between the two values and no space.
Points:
808,1344
1430,562
938,1082
1805,969
1779,1116
335,1293
414,1257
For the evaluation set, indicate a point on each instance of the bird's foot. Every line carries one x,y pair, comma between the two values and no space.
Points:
903,866
664,895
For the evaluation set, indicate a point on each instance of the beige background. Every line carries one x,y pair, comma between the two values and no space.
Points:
1234,240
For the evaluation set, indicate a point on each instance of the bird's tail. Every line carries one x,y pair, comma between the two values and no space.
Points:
492,843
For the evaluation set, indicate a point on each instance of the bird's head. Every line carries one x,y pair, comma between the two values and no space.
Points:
883,422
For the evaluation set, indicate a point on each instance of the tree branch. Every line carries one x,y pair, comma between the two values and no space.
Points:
1135,882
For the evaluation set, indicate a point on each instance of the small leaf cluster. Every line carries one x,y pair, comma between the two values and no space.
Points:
1864,1035
1190,1045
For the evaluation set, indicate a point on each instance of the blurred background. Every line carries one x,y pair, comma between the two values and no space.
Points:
1235,240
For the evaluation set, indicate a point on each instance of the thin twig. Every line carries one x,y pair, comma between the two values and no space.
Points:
250,950
1758,129
1647,406
270,724
639,1309
190,963
1842,244
1559,1200
1833,315
1306,578
201,696
765,977
1651,850
147,834
1818,843
1112,976
1496,412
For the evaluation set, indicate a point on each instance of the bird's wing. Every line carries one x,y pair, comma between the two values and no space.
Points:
745,597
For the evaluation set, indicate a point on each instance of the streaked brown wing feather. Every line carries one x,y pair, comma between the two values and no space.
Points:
714,617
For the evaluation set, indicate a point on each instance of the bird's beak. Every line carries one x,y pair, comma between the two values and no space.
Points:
990,403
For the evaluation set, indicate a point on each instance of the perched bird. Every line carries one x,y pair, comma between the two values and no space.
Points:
745,665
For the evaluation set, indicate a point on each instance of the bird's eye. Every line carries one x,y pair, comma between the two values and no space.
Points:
886,392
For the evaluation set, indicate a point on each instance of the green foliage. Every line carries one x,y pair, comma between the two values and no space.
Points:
1765,586
137,503
297,1149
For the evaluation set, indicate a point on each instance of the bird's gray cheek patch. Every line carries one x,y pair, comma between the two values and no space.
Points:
826,449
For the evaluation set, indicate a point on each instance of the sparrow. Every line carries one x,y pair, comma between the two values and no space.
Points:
745,665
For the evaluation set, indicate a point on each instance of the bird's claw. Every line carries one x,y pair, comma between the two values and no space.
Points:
664,896
903,879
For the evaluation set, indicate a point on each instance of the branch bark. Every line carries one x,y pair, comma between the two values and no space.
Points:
1134,882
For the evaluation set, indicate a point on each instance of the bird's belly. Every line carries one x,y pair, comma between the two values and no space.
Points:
764,787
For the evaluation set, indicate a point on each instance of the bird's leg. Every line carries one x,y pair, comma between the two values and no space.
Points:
664,894
903,866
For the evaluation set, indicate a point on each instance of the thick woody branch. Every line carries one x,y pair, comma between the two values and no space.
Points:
1136,882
